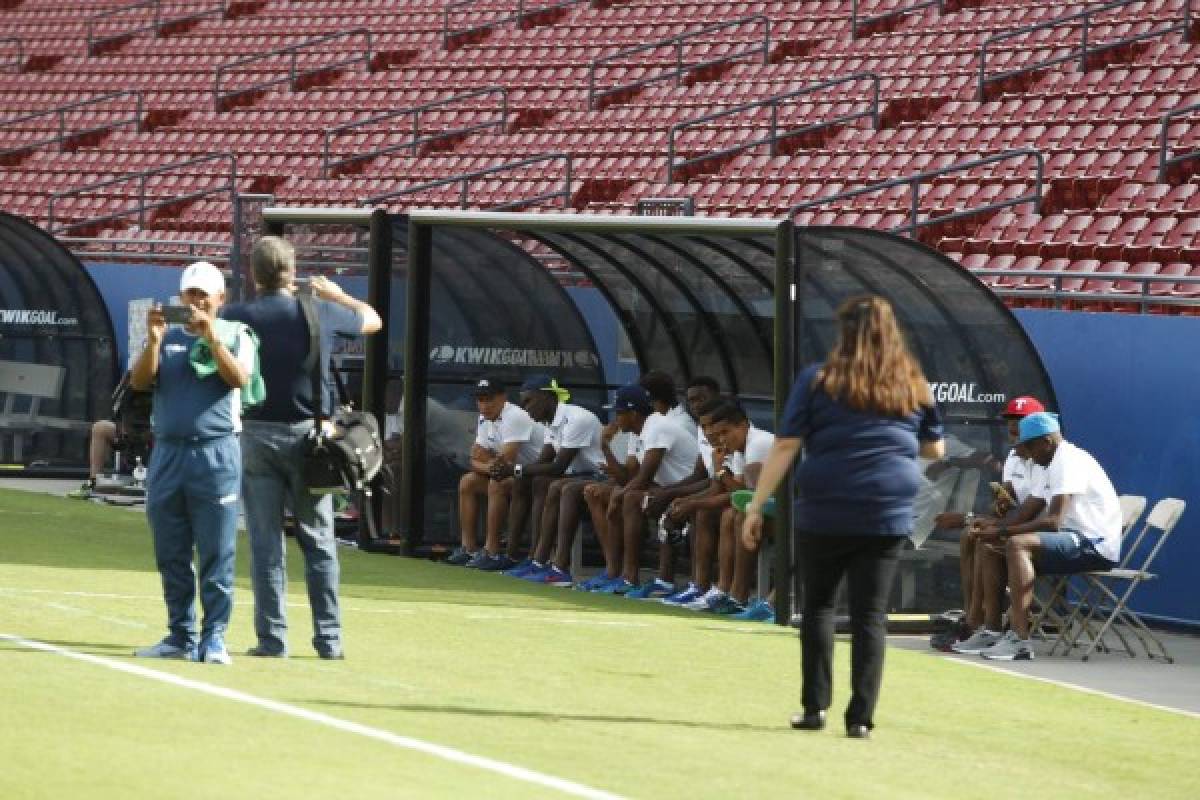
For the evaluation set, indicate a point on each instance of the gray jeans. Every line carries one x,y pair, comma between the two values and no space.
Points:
272,481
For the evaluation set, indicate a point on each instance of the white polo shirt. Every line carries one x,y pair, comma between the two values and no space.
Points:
1094,511
574,427
1026,477
513,425
680,446
758,445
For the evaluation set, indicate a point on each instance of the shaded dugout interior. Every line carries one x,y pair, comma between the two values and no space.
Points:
57,352
480,292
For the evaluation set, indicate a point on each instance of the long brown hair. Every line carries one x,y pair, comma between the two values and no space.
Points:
870,367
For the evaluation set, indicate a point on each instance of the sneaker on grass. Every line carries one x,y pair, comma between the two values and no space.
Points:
595,582
614,586
212,650
945,640
1009,648
758,611
652,589
459,557
522,569
728,607
494,563
979,641
483,560
553,576
684,595
166,649
707,601
536,574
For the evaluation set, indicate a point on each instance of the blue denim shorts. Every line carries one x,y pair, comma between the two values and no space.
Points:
1067,552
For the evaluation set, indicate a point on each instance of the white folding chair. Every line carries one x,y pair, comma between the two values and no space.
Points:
1057,609
1105,587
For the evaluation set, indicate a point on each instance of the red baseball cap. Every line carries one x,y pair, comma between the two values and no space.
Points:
1022,406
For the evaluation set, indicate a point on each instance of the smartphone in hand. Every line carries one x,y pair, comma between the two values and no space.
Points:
177,315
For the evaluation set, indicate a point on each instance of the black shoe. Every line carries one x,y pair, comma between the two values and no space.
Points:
332,655
858,731
258,651
808,721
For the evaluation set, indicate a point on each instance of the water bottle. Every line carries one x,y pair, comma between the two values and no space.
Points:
139,473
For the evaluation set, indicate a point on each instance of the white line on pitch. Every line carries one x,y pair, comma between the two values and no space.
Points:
83,612
405,742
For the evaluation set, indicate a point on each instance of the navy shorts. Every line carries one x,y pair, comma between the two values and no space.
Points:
1066,552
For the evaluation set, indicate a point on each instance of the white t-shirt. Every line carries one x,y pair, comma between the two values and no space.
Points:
575,427
706,450
1094,511
513,425
1026,477
758,444
680,446
683,419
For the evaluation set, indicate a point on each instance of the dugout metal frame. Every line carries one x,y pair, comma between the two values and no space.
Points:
698,295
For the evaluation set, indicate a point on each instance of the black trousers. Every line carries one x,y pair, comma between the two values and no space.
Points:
869,563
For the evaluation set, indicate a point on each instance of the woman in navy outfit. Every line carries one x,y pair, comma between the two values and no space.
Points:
862,417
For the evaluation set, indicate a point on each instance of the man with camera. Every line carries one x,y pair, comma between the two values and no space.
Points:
274,442
196,369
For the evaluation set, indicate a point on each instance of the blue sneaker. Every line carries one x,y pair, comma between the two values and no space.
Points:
727,607
483,560
497,563
684,595
522,569
595,582
212,650
460,557
615,586
652,590
537,573
553,576
758,611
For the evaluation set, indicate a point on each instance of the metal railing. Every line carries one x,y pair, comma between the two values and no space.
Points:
142,205
154,251
159,21
20,53
1165,160
915,180
61,112
1083,20
449,33
466,178
857,21
1075,297
329,165
775,134
293,74
679,41
666,207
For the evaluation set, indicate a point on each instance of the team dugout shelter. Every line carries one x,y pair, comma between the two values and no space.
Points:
749,302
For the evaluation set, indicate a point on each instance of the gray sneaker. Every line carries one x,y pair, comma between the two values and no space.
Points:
1009,648
166,649
979,641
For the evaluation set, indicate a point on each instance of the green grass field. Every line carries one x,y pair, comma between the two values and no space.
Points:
624,697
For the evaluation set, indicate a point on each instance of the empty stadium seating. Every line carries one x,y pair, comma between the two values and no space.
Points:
289,89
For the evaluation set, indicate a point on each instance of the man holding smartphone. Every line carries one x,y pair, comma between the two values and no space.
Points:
195,472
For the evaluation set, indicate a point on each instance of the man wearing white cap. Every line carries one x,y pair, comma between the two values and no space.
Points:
195,470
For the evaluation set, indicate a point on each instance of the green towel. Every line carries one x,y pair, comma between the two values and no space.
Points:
203,363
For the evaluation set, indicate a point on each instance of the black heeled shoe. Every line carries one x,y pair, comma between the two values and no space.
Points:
808,721
858,732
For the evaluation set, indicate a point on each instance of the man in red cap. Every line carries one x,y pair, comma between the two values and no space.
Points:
1018,496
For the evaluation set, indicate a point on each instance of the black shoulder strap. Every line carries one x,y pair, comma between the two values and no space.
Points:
312,363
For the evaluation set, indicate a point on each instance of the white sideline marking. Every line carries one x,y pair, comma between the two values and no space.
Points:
64,593
405,742
982,664
83,612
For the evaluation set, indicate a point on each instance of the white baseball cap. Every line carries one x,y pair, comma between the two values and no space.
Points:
203,276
